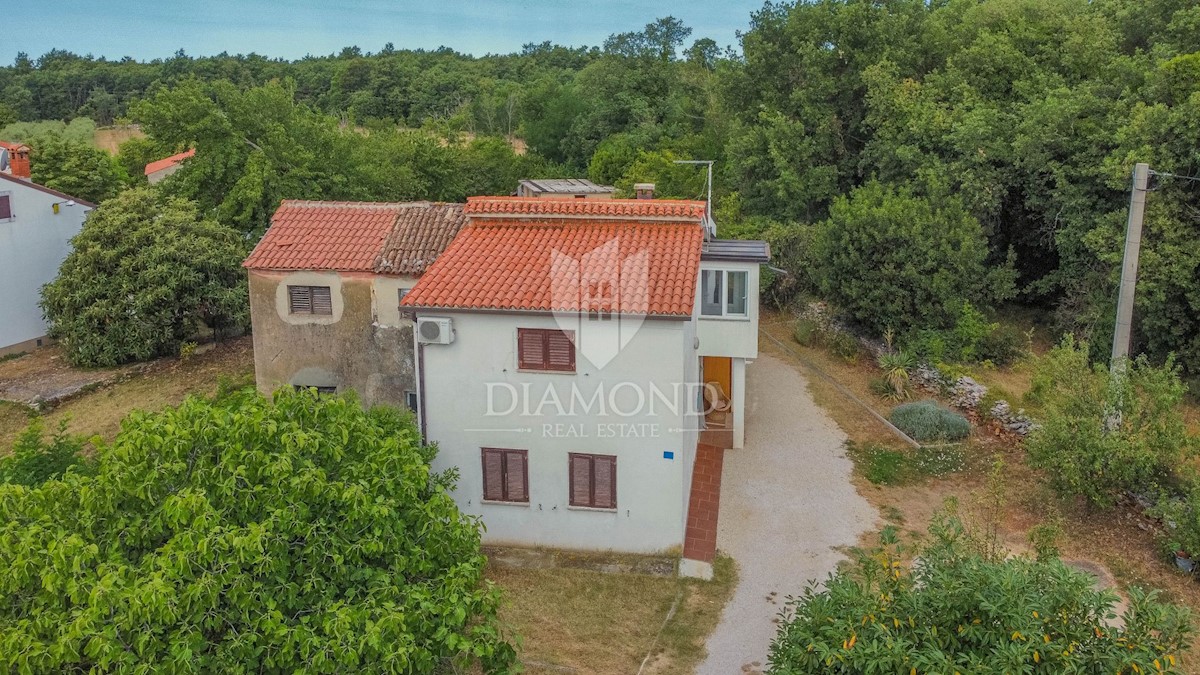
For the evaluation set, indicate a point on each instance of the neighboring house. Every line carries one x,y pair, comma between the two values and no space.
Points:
36,227
562,347
564,188
325,287
156,171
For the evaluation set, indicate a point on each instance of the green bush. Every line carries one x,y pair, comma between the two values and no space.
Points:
844,345
1003,346
926,421
1099,436
251,535
1181,518
891,258
961,610
34,461
807,332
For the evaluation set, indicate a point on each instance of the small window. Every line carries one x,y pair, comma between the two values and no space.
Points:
546,349
310,300
322,390
593,481
410,399
6,206
723,293
505,475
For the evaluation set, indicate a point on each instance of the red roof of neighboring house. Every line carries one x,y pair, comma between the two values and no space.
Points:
388,238
12,146
168,162
526,254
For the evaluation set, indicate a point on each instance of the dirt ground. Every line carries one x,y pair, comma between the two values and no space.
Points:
1117,546
98,408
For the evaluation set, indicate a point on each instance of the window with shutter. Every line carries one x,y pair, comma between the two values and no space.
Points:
593,481
505,475
6,206
310,300
546,349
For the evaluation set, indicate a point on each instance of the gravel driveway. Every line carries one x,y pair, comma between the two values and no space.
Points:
786,504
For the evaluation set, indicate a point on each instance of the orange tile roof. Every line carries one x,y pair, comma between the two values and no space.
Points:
167,162
7,145
389,238
541,255
633,209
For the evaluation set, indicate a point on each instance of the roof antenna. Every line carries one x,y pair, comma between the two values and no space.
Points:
710,225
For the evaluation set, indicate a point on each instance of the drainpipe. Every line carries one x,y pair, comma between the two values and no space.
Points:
421,386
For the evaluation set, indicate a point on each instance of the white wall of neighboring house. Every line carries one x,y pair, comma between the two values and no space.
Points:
161,174
33,243
652,488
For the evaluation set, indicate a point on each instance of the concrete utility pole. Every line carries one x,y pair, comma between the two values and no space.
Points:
710,163
1129,269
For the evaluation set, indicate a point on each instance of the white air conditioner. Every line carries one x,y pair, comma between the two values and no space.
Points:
433,330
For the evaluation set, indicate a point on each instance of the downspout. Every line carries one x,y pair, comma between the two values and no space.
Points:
421,388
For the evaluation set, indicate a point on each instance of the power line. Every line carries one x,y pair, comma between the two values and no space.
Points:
1194,179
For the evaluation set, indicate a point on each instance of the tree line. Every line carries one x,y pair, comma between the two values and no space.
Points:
994,139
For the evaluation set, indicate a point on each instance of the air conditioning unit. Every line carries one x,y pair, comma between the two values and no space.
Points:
434,330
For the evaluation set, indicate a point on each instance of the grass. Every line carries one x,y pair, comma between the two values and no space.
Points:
591,622
99,412
882,465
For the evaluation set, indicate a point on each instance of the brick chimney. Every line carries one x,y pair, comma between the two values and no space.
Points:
18,160
644,190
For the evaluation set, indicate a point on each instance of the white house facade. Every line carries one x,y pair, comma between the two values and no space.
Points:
36,227
564,353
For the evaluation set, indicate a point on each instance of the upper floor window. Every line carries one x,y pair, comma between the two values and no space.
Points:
723,293
6,212
545,349
310,300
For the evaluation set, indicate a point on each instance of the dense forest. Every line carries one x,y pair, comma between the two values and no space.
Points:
981,148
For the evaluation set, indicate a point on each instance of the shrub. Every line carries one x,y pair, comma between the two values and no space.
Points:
890,258
958,610
926,421
293,534
844,345
1100,435
1004,345
807,332
143,276
1181,518
34,461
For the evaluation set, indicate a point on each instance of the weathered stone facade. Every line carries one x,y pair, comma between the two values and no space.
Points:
366,345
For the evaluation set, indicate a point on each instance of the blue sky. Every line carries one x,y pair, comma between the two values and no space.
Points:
293,28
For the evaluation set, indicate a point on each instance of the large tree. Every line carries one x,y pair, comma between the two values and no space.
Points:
248,535
144,275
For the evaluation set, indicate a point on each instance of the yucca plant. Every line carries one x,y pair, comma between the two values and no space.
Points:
897,368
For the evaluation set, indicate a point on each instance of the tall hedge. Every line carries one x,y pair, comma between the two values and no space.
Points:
145,274
299,534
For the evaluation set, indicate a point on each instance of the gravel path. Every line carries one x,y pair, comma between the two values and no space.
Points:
786,504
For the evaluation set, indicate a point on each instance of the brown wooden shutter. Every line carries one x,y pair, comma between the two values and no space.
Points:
604,482
560,350
300,299
5,207
516,476
531,349
322,300
493,474
581,480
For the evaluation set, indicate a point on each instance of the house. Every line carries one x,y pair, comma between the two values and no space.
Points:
325,287
575,359
36,227
157,171
564,188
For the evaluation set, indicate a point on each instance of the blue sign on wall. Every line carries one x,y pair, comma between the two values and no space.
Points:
668,454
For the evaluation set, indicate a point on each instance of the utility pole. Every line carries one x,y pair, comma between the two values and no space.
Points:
1129,268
